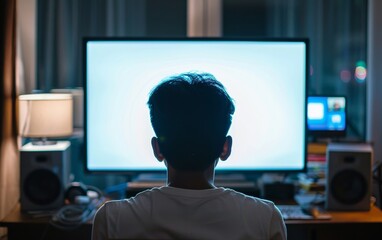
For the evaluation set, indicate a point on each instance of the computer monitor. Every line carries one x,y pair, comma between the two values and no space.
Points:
266,78
327,116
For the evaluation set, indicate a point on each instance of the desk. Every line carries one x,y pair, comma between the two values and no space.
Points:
343,225
23,226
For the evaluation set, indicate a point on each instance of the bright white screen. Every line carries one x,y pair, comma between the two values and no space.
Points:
266,79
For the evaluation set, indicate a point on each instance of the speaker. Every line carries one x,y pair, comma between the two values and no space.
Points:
44,175
348,177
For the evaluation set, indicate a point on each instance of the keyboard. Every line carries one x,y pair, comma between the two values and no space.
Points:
291,212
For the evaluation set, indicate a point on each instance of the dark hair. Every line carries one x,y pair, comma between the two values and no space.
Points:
191,114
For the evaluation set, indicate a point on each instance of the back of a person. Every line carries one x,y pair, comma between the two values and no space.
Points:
174,213
191,114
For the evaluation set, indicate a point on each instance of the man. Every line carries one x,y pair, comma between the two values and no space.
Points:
191,114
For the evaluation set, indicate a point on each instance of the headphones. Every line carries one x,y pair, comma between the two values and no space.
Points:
82,202
79,193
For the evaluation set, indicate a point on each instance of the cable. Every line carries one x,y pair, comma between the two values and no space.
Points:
72,216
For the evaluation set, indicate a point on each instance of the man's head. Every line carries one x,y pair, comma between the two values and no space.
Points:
191,114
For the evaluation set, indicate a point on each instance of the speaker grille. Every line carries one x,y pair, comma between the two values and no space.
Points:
42,187
348,187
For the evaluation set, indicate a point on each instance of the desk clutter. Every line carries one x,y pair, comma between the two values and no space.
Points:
307,212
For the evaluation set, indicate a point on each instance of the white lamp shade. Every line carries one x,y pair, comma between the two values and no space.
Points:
45,115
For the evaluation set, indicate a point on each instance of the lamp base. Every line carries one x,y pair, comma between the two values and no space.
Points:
43,141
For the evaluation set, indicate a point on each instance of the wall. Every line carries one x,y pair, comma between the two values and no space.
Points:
374,84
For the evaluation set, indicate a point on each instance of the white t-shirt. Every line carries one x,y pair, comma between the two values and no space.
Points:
175,213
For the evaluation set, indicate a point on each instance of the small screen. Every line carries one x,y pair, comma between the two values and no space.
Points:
266,79
326,113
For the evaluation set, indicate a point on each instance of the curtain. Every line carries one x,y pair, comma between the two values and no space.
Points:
63,23
9,160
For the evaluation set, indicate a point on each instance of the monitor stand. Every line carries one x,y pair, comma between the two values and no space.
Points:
148,180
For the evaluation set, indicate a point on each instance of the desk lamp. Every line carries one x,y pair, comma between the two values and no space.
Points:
43,116
44,165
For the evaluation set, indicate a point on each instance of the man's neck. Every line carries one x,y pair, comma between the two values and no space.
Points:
197,180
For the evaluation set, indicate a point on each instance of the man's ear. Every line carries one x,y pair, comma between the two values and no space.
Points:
157,153
226,152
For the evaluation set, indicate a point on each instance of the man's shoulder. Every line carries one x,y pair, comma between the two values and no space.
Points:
146,194
240,195
250,201
140,202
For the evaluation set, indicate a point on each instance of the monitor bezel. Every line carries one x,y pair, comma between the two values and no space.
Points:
134,172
